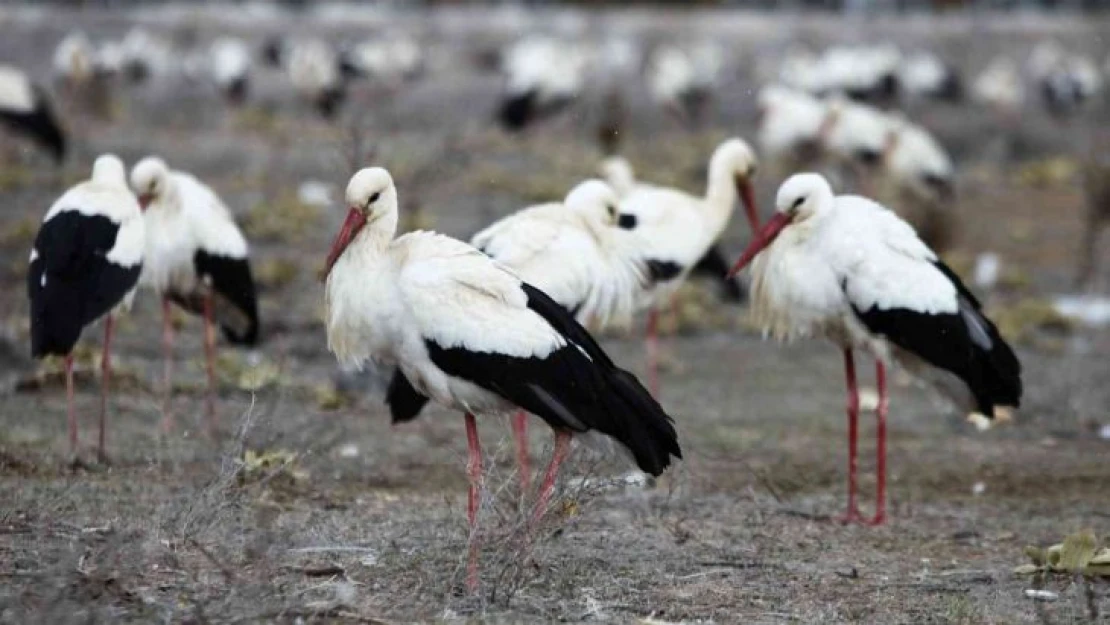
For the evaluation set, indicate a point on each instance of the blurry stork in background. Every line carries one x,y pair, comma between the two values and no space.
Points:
923,75
542,76
922,178
197,258
85,263
313,69
676,230
24,109
683,82
714,265
858,138
574,253
793,126
230,62
390,61
468,333
849,269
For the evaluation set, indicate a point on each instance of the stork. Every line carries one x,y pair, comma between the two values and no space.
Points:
575,254
389,60
84,264
197,258
25,109
618,172
230,61
676,229
793,126
682,82
848,268
924,75
923,175
858,139
542,76
468,333
313,69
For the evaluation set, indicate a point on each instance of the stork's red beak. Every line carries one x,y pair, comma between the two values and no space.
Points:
354,222
145,200
763,238
747,196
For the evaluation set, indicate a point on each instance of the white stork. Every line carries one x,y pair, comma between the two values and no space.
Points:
391,60
230,62
74,60
1000,86
468,333
25,109
197,258
618,172
542,76
923,75
792,127
676,229
683,82
923,176
85,263
575,254
313,69
858,138
851,270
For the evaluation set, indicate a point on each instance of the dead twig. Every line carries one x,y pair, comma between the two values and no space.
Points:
229,575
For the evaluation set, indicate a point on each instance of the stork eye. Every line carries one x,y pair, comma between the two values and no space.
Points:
612,210
797,203
373,198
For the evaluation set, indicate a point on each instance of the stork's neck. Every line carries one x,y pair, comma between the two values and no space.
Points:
376,235
720,193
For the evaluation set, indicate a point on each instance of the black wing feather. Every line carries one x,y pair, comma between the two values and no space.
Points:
575,387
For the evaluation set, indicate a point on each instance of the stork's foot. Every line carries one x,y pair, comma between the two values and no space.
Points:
852,516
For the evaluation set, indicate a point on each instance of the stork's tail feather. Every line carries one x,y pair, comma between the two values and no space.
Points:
997,378
641,424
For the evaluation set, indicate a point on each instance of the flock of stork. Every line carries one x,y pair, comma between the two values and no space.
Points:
503,323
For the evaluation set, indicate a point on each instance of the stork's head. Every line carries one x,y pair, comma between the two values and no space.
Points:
108,170
594,198
801,197
736,159
370,194
150,179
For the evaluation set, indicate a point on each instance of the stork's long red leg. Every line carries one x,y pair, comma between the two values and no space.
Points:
853,513
562,447
880,433
71,417
653,352
520,433
167,365
210,359
105,382
474,473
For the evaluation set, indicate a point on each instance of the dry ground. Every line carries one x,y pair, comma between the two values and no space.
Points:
351,520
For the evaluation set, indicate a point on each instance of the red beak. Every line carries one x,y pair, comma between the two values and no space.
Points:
144,201
354,222
747,196
762,239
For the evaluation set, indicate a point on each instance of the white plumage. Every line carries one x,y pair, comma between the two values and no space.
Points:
792,125
541,75
84,264
390,60
74,58
183,215
230,62
682,81
677,229
918,161
574,252
1000,85
465,331
197,258
858,133
313,69
17,94
848,269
